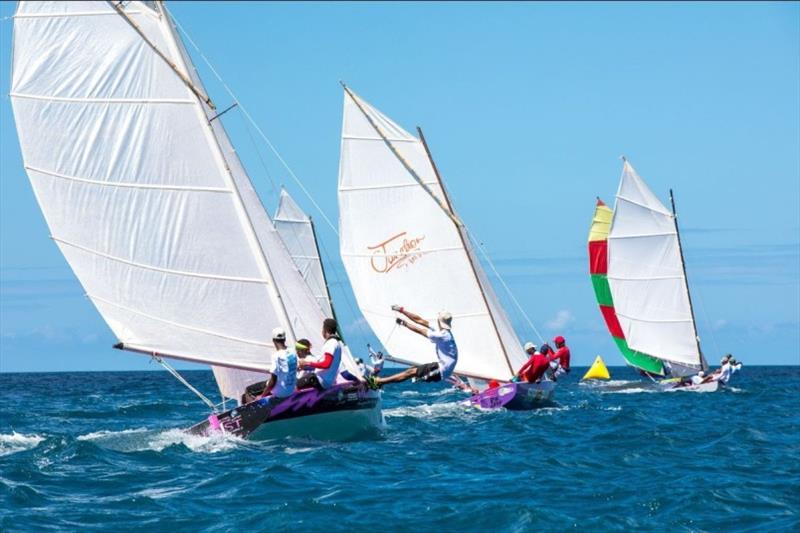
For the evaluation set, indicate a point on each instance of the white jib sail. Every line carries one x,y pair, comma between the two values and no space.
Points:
645,273
142,193
400,246
297,232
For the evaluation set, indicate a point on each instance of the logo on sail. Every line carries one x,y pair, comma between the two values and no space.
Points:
396,252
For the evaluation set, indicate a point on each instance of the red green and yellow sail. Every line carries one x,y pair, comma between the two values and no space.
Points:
598,268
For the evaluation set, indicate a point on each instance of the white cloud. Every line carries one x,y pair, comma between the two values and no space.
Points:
562,319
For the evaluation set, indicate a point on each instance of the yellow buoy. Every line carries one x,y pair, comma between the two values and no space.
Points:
598,370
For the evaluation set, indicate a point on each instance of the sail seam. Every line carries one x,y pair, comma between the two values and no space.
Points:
641,235
359,138
649,208
654,321
397,186
159,269
90,100
655,278
178,324
128,185
70,15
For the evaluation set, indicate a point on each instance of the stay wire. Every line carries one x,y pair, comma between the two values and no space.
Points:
488,259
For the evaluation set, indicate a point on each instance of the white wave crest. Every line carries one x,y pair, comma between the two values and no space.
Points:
635,390
17,442
214,443
108,434
427,411
143,439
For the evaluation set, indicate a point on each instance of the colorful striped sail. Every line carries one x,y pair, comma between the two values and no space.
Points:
598,268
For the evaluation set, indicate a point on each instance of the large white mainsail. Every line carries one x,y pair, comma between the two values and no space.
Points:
646,276
142,190
402,244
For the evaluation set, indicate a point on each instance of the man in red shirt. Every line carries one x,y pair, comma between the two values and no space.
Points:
561,357
533,370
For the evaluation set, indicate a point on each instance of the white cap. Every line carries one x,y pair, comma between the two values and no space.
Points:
278,334
701,373
445,319
529,346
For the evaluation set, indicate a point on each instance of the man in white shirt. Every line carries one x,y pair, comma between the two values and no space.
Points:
725,371
283,373
325,367
446,349
698,378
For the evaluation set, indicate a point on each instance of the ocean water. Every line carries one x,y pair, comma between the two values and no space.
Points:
85,451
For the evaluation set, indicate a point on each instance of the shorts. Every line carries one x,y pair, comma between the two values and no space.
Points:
429,372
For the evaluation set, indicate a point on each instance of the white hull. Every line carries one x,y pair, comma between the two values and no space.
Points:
711,386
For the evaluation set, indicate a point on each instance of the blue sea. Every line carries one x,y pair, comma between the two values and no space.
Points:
104,451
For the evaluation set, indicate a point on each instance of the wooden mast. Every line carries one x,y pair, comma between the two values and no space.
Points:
460,228
325,278
703,362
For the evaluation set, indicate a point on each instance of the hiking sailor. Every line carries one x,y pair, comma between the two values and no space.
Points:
446,349
326,367
728,366
283,370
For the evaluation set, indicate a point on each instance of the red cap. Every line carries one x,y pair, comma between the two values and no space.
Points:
559,339
493,384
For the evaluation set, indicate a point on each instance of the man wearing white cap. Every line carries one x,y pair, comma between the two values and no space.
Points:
283,370
442,337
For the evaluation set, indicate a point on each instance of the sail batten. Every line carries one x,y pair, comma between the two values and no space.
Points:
402,244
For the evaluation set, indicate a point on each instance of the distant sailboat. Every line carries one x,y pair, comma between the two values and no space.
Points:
639,278
402,243
147,200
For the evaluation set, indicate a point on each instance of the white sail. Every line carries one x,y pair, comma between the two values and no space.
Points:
143,192
297,232
646,276
401,244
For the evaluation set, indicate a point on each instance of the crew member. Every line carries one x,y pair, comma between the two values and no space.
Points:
326,367
283,373
533,370
561,357
446,349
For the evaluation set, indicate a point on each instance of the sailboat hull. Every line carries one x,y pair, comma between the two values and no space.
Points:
339,413
711,386
516,396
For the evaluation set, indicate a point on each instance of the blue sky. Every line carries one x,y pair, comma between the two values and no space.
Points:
527,108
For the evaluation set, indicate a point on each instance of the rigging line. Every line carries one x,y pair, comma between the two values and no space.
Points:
362,329
505,286
258,153
261,133
188,385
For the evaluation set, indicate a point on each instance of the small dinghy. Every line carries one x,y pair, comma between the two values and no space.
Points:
515,396
639,276
402,242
